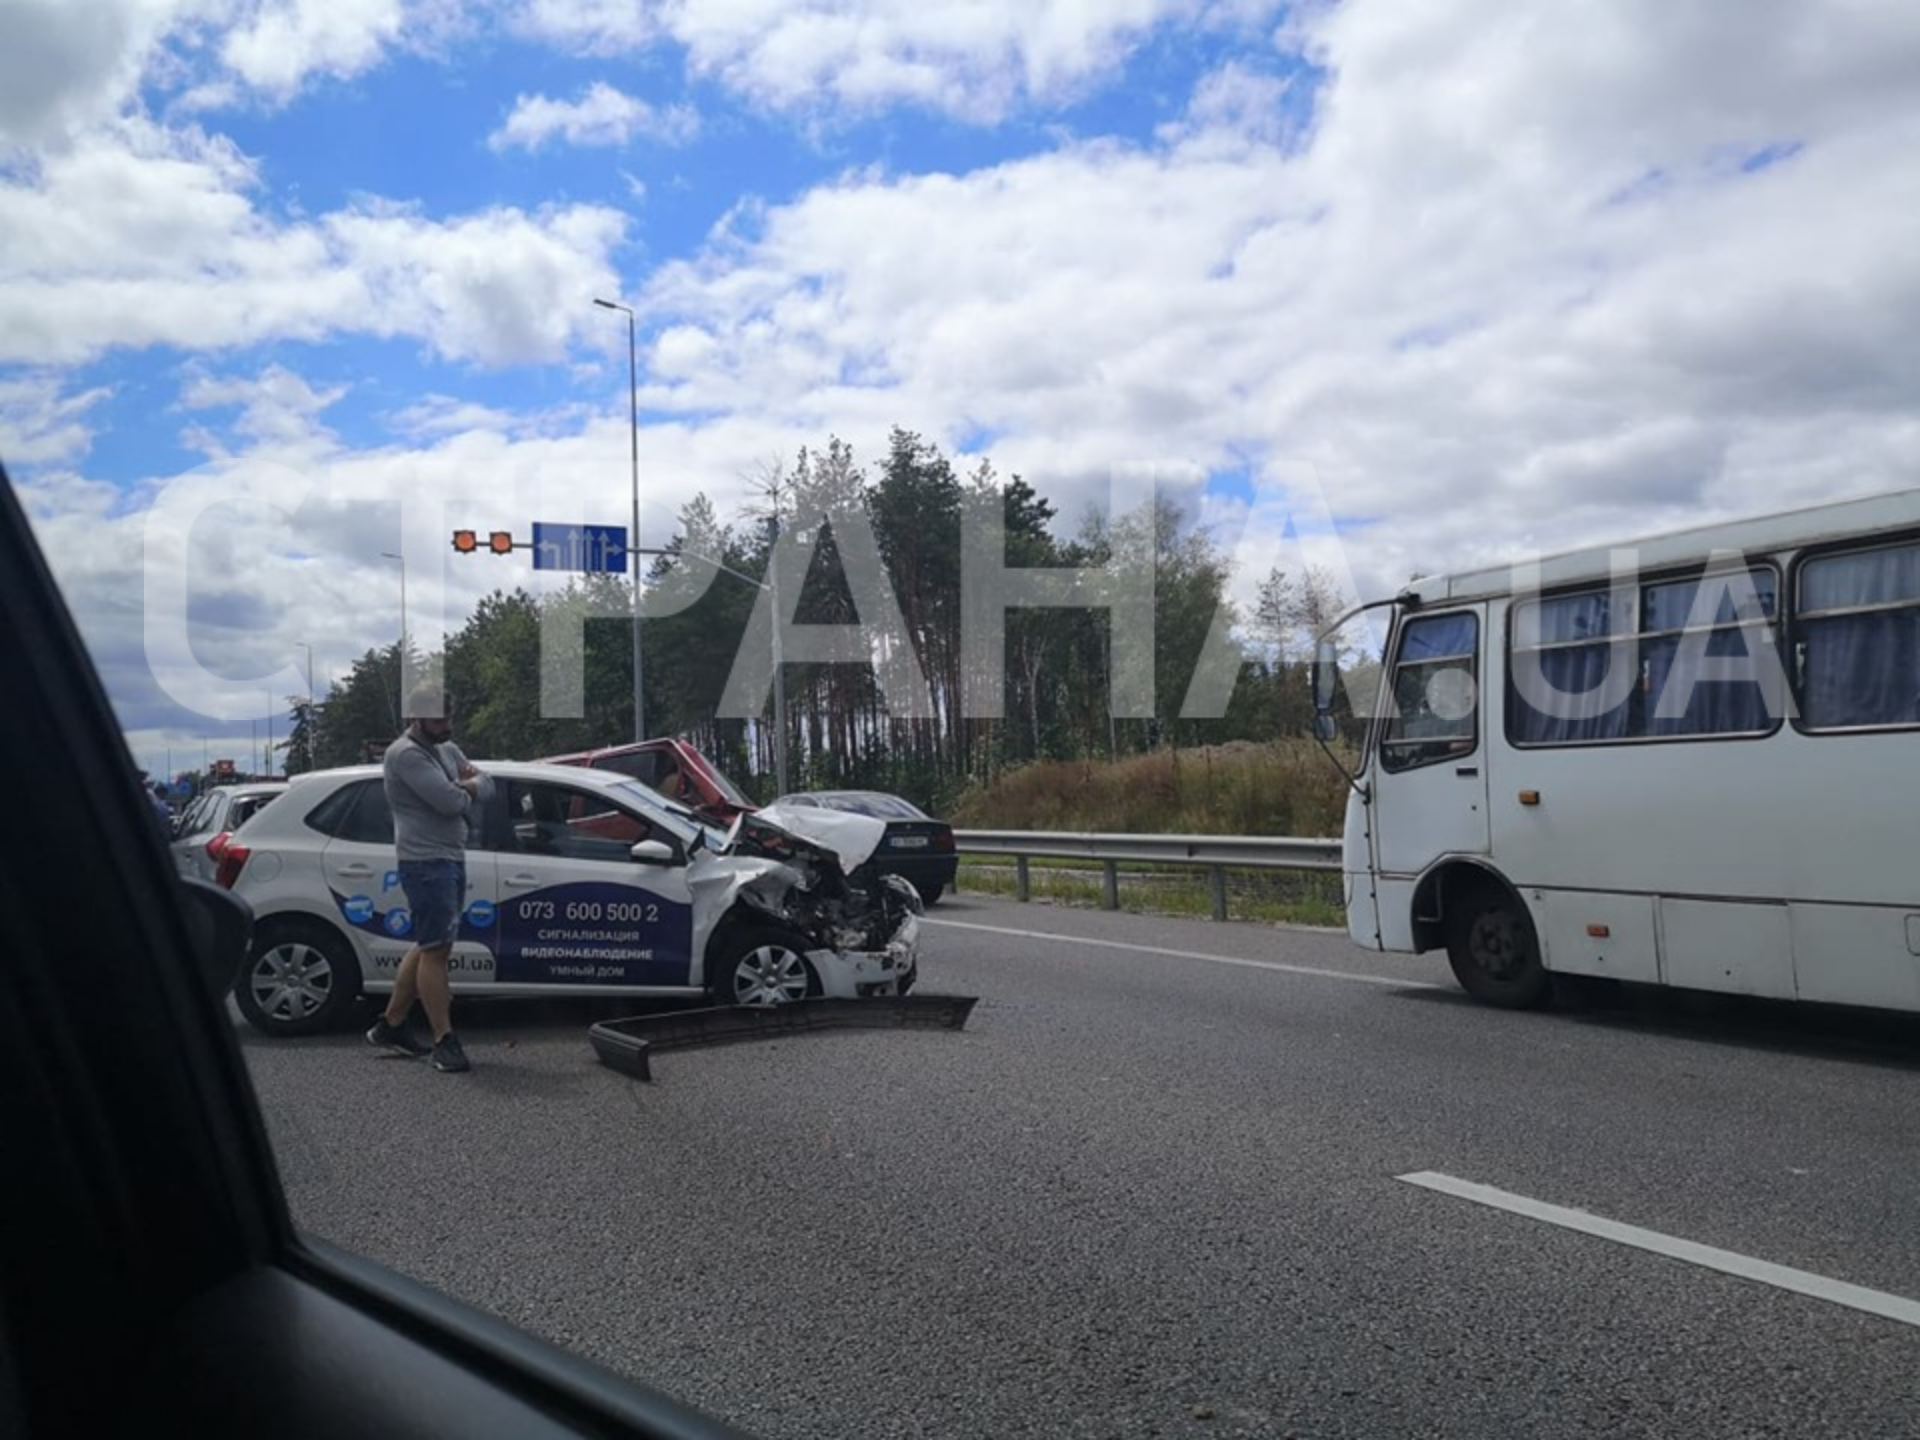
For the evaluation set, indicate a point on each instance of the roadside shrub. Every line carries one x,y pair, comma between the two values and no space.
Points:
1282,787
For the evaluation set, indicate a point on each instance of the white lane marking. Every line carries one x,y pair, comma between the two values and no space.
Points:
1191,955
1801,1282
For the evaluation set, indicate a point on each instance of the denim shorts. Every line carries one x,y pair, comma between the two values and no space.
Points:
436,892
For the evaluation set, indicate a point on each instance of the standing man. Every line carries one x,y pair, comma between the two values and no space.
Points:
430,788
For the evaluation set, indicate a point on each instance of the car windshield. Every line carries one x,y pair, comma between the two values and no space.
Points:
728,790
687,825
1367,557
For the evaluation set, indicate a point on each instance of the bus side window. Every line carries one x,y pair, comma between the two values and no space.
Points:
1858,618
1436,706
1573,673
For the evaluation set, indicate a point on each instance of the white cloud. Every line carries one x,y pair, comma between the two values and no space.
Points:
264,580
279,413
1240,105
1450,301
279,43
66,66
41,423
497,287
447,417
1512,286
601,116
438,415
140,237
963,57
597,27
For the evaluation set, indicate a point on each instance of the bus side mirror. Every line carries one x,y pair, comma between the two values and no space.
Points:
1326,669
1324,728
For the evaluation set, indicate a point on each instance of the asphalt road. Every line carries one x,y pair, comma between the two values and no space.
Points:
1147,1193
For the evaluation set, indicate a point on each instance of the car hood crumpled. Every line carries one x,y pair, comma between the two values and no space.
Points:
793,866
850,839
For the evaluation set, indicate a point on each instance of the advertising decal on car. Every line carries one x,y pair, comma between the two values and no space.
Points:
584,933
599,933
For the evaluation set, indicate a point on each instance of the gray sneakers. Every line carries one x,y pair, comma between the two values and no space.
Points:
448,1055
397,1038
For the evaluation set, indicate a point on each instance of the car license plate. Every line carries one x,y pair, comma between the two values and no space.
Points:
909,842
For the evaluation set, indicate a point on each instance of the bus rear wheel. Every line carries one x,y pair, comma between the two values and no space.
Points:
1494,953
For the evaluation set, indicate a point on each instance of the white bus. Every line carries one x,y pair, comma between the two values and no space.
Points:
1692,761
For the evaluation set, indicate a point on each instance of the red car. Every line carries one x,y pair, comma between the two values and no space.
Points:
675,769
916,847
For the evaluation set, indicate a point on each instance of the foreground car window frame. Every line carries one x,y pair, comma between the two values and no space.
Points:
149,1238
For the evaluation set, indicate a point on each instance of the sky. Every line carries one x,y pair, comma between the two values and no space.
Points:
288,287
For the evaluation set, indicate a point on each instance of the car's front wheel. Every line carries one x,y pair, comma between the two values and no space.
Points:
300,979
762,967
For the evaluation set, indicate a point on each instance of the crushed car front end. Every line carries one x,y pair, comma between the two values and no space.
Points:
810,876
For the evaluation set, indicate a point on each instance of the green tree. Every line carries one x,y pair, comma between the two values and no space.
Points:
299,747
1058,681
363,708
492,668
690,652
916,513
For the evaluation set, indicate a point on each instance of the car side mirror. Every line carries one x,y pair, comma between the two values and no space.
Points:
220,925
653,852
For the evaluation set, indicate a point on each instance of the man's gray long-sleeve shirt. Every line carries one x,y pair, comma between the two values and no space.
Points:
429,806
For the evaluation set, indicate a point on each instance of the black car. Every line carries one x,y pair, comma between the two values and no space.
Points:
917,847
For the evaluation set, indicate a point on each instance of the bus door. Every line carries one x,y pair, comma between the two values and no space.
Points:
1428,795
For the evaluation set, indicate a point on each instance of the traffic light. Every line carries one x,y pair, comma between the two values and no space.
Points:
499,542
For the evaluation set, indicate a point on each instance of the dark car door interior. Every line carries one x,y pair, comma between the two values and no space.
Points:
153,1279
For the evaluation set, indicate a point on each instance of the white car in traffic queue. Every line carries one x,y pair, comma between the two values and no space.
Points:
206,825
578,883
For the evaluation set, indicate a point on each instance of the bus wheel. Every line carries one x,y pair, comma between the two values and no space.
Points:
1494,954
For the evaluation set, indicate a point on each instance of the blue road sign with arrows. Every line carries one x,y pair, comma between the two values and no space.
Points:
597,549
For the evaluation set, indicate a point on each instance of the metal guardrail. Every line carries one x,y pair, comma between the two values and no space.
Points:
1215,853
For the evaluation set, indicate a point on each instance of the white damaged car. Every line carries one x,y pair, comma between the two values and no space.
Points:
579,882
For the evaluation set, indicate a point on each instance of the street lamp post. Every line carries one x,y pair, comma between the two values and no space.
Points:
633,539
400,719
312,713
779,669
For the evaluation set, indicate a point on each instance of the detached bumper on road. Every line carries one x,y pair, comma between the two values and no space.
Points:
625,1045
